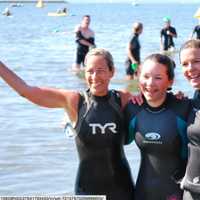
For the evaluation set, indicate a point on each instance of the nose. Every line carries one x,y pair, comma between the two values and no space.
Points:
190,66
150,81
94,75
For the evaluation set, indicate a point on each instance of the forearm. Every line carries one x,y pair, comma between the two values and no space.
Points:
46,97
12,79
85,42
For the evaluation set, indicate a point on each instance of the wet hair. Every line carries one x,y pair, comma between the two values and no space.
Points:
194,43
88,16
137,26
101,52
164,60
190,44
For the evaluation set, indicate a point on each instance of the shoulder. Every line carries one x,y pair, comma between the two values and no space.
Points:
77,28
163,29
172,28
182,107
132,110
125,97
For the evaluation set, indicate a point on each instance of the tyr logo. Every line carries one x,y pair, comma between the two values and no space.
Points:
111,126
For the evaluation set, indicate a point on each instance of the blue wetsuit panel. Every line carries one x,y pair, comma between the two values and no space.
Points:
160,134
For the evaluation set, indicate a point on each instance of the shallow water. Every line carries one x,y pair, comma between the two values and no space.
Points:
36,158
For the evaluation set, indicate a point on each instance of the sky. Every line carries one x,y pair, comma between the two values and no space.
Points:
121,1
139,1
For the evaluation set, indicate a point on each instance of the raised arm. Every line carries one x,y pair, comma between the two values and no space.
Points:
42,96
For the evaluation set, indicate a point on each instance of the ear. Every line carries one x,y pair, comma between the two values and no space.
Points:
112,72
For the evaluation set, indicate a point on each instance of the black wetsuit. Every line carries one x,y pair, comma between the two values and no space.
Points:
197,31
168,39
103,168
191,182
81,48
135,51
160,134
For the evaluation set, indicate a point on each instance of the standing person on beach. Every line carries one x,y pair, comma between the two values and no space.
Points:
158,127
196,31
99,125
167,34
85,39
190,61
133,59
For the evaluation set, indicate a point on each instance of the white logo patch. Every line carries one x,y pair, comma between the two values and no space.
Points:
111,126
152,136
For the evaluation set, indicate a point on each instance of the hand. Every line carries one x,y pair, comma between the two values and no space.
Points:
180,95
137,99
168,33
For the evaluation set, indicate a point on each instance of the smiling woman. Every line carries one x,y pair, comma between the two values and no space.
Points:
190,60
100,126
158,127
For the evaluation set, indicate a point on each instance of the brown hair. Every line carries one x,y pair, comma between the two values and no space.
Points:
137,26
166,61
101,52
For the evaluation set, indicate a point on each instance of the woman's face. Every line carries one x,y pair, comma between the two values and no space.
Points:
98,75
190,61
154,82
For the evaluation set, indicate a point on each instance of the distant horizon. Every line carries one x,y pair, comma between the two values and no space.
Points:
105,1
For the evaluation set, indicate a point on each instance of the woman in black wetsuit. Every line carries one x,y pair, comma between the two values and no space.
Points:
190,60
100,127
158,127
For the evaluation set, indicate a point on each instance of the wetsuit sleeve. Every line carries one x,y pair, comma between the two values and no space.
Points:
173,30
79,36
130,122
91,40
196,95
182,128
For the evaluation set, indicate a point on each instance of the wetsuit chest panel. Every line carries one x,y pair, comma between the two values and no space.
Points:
135,47
192,177
168,39
101,126
103,168
157,133
160,135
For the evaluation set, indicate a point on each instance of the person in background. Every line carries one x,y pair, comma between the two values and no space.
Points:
196,31
133,59
158,127
99,125
190,61
7,12
166,35
85,39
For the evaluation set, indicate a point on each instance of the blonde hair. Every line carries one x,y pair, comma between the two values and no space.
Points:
101,52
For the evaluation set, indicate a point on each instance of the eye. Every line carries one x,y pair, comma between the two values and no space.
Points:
89,71
196,61
184,64
158,78
100,71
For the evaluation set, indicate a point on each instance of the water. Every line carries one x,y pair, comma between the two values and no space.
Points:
36,157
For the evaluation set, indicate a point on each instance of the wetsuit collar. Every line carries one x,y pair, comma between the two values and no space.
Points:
99,98
159,108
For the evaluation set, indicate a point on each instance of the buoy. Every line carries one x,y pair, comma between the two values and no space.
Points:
197,14
40,4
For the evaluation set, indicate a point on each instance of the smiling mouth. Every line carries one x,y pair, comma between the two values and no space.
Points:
194,78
